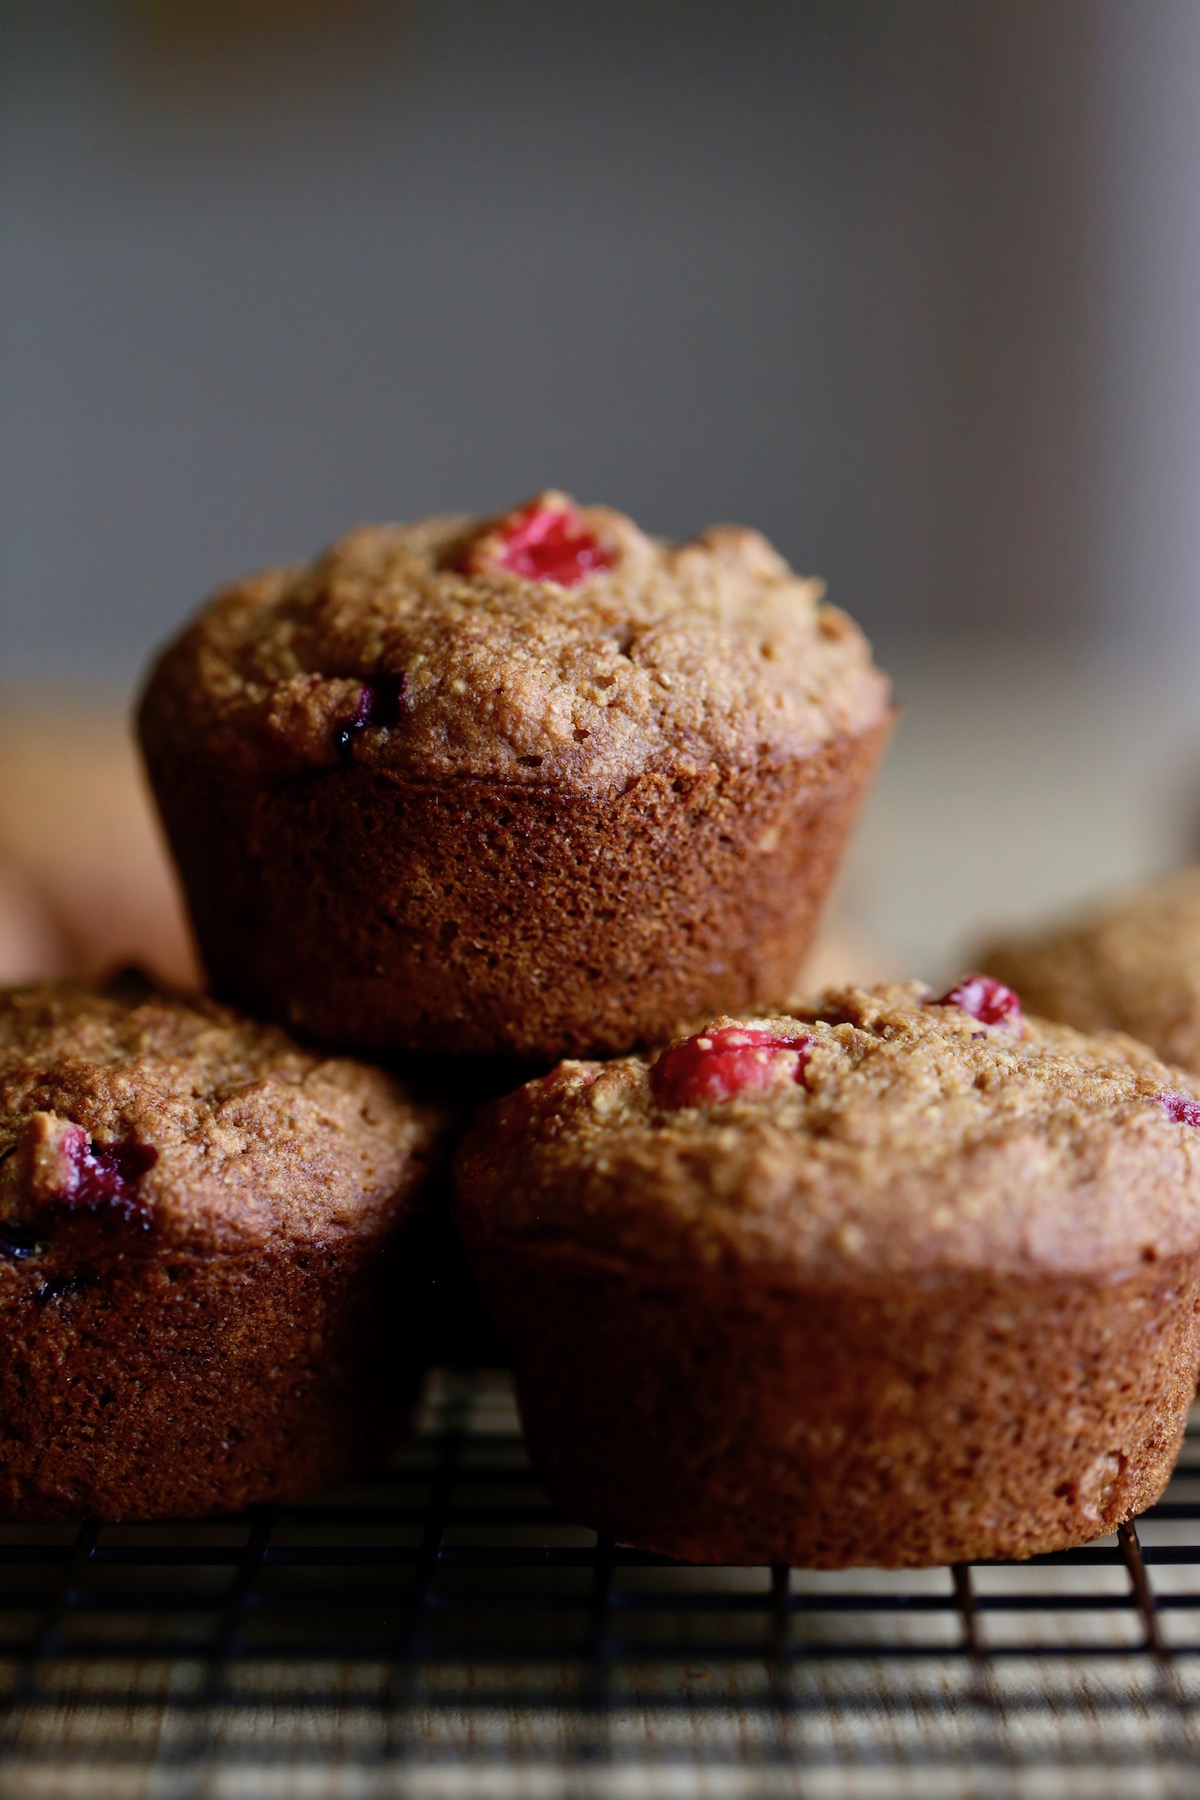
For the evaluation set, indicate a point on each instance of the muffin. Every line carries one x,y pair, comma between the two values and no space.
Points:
895,1281
204,1249
1131,963
528,786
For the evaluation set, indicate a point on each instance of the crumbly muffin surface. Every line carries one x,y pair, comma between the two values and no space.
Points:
411,648
1130,964
914,1139
209,1131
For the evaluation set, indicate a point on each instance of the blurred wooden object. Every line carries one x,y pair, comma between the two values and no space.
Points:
90,883
844,957
210,57
31,944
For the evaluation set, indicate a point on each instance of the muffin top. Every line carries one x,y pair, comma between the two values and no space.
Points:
553,645
192,1127
1130,964
885,1132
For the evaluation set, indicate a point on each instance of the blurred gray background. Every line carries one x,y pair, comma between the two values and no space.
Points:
911,284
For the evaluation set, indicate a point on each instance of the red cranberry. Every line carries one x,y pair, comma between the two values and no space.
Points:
716,1065
986,1000
542,543
105,1176
1180,1107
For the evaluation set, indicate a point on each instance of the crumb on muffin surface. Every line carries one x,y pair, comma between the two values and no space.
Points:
917,1139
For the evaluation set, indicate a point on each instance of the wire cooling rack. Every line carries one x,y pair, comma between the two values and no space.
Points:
442,1633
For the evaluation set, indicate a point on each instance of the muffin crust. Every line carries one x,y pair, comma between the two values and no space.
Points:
677,657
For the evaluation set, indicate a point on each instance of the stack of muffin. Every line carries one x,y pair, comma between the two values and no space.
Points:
887,1277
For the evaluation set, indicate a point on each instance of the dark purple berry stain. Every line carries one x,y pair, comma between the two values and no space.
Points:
65,1287
19,1241
380,705
104,1177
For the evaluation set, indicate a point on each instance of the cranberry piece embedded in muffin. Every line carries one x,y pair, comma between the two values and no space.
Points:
549,545
544,540
984,999
58,1168
1180,1107
718,1064
105,1175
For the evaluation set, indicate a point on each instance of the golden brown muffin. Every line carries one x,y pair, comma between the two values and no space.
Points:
895,1281
526,786
1131,963
203,1258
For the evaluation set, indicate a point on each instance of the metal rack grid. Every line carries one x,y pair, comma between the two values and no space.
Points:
442,1631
